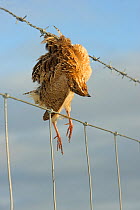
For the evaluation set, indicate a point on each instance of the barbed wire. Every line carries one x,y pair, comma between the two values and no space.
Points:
44,32
22,19
74,119
123,73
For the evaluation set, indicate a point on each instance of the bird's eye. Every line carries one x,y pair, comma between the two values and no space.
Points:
46,46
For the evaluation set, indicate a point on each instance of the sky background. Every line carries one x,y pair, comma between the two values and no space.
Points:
109,30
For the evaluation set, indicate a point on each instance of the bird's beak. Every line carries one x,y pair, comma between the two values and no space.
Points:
88,95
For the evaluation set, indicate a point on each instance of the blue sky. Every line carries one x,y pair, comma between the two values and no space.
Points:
109,30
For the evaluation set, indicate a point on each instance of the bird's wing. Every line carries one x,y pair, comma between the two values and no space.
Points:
45,67
39,69
76,65
84,68
52,93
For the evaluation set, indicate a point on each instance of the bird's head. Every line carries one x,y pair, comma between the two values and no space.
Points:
52,40
79,88
85,90
51,44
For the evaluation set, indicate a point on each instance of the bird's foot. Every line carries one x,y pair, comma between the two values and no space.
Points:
69,130
59,143
59,140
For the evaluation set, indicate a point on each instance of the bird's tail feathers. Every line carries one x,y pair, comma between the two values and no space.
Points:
35,95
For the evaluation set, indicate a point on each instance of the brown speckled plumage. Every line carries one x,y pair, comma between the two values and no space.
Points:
61,72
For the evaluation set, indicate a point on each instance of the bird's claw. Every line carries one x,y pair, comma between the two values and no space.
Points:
69,130
59,143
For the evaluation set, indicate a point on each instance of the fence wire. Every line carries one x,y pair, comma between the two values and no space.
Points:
44,32
85,124
88,165
65,116
118,171
8,152
52,161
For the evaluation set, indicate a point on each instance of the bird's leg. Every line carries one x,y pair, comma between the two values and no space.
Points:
59,141
70,128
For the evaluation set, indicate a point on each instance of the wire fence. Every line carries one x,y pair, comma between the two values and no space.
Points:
85,124
6,97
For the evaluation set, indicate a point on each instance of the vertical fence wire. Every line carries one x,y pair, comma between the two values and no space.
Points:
88,165
118,171
52,162
8,152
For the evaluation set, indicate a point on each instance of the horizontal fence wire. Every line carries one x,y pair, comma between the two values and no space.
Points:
65,116
44,32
